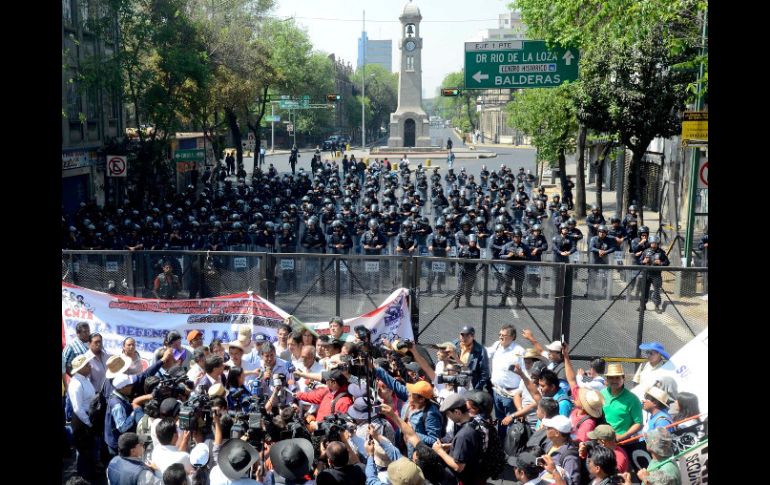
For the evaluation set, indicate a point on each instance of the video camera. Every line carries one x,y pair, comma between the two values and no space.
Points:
195,414
172,385
332,426
248,420
461,379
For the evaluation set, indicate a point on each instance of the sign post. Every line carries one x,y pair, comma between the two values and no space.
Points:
518,64
116,165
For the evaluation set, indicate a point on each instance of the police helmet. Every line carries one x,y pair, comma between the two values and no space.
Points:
237,226
517,232
614,219
654,239
286,226
440,222
499,227
337,224
644,230
373,224
218,224
480,220
632,208
594,207
537,227
563,225
312,221
563,208
602,228
406,225
571,221
465,220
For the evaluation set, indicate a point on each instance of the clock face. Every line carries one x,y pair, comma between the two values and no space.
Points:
410,46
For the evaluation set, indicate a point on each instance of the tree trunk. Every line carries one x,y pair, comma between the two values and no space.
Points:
635,181
563,171
580,183
599,165
235,130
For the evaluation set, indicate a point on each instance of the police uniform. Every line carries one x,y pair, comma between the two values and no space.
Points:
650,257
496,246
467,274
438,244
540,243
514,251
596,244
593,221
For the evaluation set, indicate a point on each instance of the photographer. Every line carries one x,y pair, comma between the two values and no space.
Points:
331,399
466,446
341,470
523,399
473,355
526,470
363,336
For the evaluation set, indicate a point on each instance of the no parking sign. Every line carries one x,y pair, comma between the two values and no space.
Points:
116,165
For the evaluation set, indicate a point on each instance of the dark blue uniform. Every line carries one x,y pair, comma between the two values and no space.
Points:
514,251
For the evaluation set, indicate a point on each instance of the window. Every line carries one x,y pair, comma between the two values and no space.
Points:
73,100
409,63
93,105
66,12
83,12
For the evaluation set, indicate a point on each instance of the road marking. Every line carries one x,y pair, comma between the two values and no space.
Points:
508,301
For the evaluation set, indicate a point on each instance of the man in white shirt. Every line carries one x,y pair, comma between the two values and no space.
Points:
307,365
98,361
199,358
282,344
173,446
502,355
80,392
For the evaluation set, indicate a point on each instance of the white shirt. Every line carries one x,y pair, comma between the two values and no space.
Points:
597,384
500,359
216,477
81,391
166,455
251,361
194,373
316,368
279,349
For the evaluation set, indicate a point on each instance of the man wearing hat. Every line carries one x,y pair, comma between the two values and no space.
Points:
588,403
526,470
420,412
622,409
660,444
655,403
331,399
564,451
467,443
124,414
195,339
445,356
605,435
80,392
234,463
656,358
292,461
127,468
474,356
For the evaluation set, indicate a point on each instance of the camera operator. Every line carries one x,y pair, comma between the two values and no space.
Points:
331,399
363,336
473,355
358,411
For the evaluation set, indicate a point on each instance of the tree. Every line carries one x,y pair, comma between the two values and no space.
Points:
460,109
382,96
548,117
633,89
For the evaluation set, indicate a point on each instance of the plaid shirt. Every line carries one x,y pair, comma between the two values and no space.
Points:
72,350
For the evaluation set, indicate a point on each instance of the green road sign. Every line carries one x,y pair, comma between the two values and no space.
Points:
272,119
196,154
517,64
302,102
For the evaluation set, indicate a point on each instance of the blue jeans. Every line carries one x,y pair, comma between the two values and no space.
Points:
503,407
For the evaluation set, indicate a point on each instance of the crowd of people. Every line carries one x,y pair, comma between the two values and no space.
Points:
368,208
339,408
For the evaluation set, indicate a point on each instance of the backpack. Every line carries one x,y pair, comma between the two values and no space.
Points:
493,458
424,418
516,438
97,411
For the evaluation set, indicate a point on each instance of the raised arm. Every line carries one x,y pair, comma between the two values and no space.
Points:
527,334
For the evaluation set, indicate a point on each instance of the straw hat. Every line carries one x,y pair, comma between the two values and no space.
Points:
80,361
532,354
244,337
658,394
591,401
117,364
614,370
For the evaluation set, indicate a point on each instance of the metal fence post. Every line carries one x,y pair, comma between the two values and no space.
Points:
268,276
414,294
484,305
337,286
130,273
566,315
559,297
642,308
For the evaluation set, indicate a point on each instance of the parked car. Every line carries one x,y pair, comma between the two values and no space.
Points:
340,139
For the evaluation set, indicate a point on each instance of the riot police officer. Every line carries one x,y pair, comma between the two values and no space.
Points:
574,233
496,244
538,245
438,244
406,243
461,236
654,256
638,246
515,250
339,241
313,240
467,274
599,248
617,232
563,246
594,220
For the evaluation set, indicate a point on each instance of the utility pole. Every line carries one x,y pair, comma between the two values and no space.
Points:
272,128
695,157
363,85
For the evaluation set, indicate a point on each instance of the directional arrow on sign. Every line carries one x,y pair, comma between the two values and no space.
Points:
478,76
568,58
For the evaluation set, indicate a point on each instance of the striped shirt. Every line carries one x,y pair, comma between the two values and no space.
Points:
72,350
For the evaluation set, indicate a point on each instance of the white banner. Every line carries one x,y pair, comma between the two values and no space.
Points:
693,465
148,321
689,368
388,321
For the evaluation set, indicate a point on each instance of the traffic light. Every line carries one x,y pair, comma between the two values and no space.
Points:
450,92
333,98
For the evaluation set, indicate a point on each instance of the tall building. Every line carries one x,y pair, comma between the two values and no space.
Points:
89,118
377,52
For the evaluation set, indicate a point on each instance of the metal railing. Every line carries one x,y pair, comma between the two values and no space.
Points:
598,308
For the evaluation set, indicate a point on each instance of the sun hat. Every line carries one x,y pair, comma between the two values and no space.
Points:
554,346
117,364
657,347
614,370
658,394
237,456
80,361
292,459
532,354
405,472
591,401
121,380
199,456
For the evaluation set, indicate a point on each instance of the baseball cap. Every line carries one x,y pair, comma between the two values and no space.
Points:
602,432
446,345
121,380
523,460
169,407
193,334
453,401
468,329
199,456
413,366
560,423
421,388
334,375
657,347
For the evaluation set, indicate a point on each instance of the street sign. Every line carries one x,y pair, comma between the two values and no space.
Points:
193,155
295,103
518,64
703,173
116,166
695,125
272,119
290,126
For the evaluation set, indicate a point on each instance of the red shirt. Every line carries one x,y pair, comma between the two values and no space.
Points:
621,457
580,433
324,398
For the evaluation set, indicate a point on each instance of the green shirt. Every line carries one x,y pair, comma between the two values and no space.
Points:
621,411
669,468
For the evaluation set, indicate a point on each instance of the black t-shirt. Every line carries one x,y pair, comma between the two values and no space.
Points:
467,446
346,475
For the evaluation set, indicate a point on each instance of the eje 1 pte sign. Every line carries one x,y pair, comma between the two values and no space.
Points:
517,64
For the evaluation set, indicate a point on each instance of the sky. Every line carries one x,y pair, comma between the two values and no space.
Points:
443,41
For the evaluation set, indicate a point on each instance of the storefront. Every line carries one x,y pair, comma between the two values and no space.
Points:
79,177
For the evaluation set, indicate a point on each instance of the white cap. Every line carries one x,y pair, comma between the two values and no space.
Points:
199,455
121,380
560,423
554,346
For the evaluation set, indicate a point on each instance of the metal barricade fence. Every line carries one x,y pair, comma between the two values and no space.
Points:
599,308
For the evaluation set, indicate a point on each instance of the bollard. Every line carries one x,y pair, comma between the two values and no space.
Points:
366,162
427,162
394,166
347,147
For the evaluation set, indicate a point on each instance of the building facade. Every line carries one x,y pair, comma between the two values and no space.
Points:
378,52
89,117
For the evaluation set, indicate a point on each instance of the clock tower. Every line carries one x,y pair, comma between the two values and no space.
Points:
409,125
